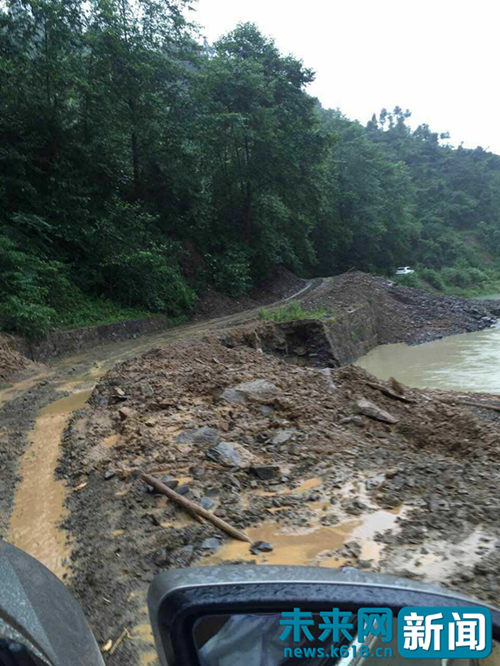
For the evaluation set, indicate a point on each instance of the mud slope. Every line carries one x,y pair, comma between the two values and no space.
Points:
330,467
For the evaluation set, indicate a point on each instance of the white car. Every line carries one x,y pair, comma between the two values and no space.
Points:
404,270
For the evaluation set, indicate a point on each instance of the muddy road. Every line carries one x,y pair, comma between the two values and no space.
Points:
288,452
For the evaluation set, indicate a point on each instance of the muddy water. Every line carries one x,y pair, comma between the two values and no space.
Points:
467,362
39,502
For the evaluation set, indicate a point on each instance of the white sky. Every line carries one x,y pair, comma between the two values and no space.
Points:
438,58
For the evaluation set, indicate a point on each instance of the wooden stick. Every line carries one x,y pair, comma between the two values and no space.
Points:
118,642
193,507
495,408
389,392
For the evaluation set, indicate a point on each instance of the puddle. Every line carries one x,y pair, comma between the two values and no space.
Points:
443,559
66,405
39,499
310,545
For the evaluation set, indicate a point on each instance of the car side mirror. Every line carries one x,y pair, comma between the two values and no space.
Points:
228,614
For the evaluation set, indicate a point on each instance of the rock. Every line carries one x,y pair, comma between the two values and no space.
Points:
168,481
125,413
258,390
230,455
356,420
232,395
109,475
220,512
261,547
183,490
353,549
374,482
355,507
265,473
327,373
283,436
371,410
207,503
212,543
119,395
438,505
203,435
197,472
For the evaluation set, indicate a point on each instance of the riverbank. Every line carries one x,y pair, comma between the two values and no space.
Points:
399,314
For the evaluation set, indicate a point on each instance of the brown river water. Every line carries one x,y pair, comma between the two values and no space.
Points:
467,362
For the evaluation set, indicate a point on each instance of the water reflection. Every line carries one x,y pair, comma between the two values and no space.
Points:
467,362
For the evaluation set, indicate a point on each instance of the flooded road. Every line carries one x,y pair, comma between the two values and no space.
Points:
39,502
467,362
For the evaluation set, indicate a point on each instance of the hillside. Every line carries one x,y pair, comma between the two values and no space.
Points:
140,172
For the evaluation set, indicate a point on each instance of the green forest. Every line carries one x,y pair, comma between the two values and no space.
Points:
140,166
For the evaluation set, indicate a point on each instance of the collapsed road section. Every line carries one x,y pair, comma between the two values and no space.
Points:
326,467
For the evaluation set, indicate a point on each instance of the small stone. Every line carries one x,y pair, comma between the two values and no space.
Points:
109,475
180,557
212,543
207,503
265,473
282,437
229,454
125,413
261,547
183,490
371,410
197,472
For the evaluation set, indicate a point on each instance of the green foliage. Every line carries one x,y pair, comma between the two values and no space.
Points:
145,278
31,289
294,312
433,277
230,273
411,280
125,146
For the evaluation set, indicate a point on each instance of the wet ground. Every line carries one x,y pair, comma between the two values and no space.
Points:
417,496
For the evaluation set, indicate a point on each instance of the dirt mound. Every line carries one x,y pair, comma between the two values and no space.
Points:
403,314
330,466
11,362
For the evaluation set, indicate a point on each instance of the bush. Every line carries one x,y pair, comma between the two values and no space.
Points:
31,288
408,281
433,277
293,312
146,278
230,272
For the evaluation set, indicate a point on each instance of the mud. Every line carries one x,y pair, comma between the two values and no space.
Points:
416,498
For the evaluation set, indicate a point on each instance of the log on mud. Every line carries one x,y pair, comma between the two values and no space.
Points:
192,507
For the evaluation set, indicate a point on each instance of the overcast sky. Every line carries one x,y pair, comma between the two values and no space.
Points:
438,58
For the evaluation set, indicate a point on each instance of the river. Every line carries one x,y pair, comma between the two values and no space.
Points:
466,362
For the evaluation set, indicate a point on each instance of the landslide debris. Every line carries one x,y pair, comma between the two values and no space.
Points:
404,314
330,468
11,362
